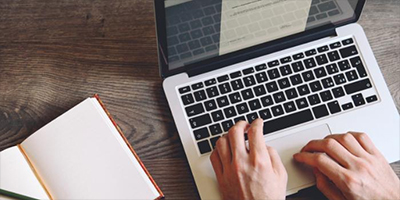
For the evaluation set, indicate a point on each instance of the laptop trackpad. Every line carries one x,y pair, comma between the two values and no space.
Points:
299,175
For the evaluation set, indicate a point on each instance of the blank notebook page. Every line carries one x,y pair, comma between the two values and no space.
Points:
81,155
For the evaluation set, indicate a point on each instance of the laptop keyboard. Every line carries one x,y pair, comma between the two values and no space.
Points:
286,92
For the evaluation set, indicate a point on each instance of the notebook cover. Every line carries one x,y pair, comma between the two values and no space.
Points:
130,147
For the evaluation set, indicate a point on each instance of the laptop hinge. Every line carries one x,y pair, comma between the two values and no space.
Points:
278,45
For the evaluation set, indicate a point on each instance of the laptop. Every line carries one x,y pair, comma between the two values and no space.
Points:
304,66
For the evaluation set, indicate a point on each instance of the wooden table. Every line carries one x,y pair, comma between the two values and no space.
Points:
54,54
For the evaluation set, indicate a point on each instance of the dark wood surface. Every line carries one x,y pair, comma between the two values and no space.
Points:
54,54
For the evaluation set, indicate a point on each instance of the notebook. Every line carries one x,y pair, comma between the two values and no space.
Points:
80,155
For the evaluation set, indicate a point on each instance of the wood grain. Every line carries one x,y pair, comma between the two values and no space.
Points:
53,54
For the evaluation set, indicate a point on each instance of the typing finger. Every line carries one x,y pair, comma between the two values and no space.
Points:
350,143
224,151
236,139
216,163
366,143
256,138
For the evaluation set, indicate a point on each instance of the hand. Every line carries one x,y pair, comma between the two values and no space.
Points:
257,173
349,166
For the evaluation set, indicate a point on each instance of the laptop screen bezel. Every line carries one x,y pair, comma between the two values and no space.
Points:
230,58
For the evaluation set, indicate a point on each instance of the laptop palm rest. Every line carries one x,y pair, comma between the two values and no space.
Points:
299,175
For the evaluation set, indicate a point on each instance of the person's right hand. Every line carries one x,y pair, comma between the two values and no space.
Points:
349,166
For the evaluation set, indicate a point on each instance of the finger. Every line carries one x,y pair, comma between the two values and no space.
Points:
349,142
324,163
256,137
217,164
365,142
276,161
224,151
327,187
331,147
236,139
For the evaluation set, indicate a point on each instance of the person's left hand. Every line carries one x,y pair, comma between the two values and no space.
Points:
257,173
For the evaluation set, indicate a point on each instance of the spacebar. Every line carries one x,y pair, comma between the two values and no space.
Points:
287,121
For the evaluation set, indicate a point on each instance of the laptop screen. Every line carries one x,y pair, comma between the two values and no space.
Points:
197,30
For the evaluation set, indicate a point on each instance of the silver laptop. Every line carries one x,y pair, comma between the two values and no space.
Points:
304,66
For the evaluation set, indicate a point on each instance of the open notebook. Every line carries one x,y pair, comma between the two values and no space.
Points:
80,155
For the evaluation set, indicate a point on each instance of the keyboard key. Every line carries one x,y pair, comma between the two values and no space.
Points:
309,63
358,86
217,116
247,94
197,86
357,63
291,93
200,95
248,71
334,107
344,65
237,119
201,133
194,110
296,79
215,129
249,81
347,106
261,67
230,112
333,56
320,111
348,41
223,78
287,121
327,82
200,121
285,70
212,92
251,117
222,101
279,97
321,59
214,141
286,60
298,56
242,108
235,98
273,63
184,90
210,82
272,87
335,45
314,99
311,52
187,99
351,75
289,107
210,105
204,146
372,99
237,84
303,90
261,77
273,74
267,101
316,86
332,69
308,76
339,79
358,99
348,51
320,72
265,114
301,103
284,83
298,66
224,88
254,104
226,125
323,49
235,74
259,90
326,95
338,92
277,110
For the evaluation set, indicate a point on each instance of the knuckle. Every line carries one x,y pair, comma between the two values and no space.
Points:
319,158
330,143
347,137
220,143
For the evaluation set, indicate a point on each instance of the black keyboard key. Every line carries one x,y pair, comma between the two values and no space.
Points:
287,121
327,82
273,63
321,59
344,65
201,133
238,119
242,108
200,121
348,51
333,56
320,111
286,60
200,95
230,112
334,107
351,75
235,74
298,66
291,93
347,106
214,141
247,94
267,101
358,99
204,146
217,116
226,125
338,92
308,76
357,63
210,82
184,90
237,84
265,114
235,98
255,104
298,56
248,71
261,67
358,86
279,97
309,63
301,103
197,86
187,99
222,101
372,99
323,49
285,70
271,87
339,79
348,41
277,110
320,72
296,79
194,110
215,129
259,90
289,107
335,45
284,83
212,92
332,69
311,52
224,88
316,86
251,117
261,77
273,74
210,105
249,81
326,95
314,99
223,78
303,90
